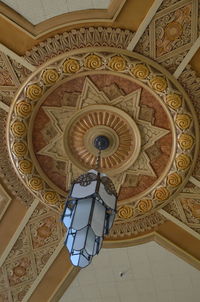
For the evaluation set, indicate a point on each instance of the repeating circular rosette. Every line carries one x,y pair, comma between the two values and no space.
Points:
144,71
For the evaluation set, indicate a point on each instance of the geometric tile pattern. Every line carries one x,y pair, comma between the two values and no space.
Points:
30,253
171,33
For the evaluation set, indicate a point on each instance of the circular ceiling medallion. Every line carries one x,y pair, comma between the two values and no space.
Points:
135,103
121,130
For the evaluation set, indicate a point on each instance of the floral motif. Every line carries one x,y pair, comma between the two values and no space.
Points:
50,76
158,83
34,92
25,166
117,63
173,31
18,129
161,194
145,205
19,149
71,66
174,179
51,197
140,71
44,231
183,121
93,62
23,109
192,206
125,212
19,271
36,183
186,141
182,161
174,101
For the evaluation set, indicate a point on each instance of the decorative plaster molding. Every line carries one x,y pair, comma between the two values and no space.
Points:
78,17
156,4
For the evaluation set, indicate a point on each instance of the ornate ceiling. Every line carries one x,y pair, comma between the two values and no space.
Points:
138,84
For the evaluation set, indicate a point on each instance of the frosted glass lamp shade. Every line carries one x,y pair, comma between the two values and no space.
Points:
88,215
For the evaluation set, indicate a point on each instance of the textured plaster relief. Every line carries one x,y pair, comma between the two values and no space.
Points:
58,119
171,33
32,250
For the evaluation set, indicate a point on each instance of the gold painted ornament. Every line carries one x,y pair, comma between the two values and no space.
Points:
183,121
51,197
50,76
125,212
71,66
117,63
174,179
23,109
34,92
18,129
158,83
25,166
145,205
140,71
186,141
182,161
19,149
161,194
174,101
36,183
93,62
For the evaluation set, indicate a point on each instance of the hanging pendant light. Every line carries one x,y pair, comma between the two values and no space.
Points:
89,212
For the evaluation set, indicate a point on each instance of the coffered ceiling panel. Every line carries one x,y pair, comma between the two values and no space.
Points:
41,10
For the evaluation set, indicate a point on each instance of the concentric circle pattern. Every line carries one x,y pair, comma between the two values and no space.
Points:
144,112
116,125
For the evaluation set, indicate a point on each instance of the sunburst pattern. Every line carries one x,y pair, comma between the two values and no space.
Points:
90,96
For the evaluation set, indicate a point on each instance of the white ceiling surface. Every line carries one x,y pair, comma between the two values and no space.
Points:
152,274
37,11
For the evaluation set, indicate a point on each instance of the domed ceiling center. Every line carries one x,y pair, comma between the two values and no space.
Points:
133,103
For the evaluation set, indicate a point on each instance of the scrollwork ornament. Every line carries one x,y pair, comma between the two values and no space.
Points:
34,92
125,212
50,76
174,179
182,161
23,109
18,129
36,183
140,71
25,166
183,121
186,141
86,179
109,186
19,149
51,197
158,83
93,62
71,66
117,63
161,194
144,205
174,101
